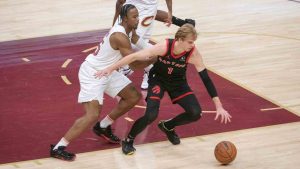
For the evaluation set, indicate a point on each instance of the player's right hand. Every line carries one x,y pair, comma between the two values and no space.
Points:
99,74
225,116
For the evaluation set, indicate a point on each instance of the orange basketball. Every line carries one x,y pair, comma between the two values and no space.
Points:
225,152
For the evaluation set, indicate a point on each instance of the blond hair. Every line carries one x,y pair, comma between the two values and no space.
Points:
185,30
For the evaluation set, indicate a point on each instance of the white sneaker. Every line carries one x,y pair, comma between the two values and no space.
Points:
144,84
125,70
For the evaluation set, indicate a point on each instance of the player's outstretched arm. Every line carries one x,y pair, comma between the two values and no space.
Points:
197,60
143,55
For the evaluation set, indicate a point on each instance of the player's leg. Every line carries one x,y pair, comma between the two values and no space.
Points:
80,125
91,96
155,93
188,101
192,112
129,97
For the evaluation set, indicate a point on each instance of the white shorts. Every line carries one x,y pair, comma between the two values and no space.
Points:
92,88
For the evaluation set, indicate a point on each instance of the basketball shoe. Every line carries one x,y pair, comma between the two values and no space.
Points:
127,147
106,133
60,153
171,134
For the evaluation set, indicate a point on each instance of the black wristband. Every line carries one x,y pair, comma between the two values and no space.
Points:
177,21
209,85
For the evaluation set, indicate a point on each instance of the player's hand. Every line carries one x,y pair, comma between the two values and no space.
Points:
225,116
134,32
102,73
135,37
168,21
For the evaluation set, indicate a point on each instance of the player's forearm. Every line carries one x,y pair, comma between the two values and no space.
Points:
217,102
169,6
124,61
127,60
209,85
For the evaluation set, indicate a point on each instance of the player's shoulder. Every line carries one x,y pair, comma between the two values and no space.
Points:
117,28
118,32
119,39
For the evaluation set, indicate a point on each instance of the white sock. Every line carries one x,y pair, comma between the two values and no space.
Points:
106,122
62,142
147,69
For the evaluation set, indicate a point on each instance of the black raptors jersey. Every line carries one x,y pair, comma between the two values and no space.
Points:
170,69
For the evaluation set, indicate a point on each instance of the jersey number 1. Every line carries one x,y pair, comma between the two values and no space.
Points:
170,70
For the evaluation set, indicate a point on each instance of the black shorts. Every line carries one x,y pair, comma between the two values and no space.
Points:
176,90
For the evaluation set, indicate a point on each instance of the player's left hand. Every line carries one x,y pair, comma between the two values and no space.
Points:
105,72
225,116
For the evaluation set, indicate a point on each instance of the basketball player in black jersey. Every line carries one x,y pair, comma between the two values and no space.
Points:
169,75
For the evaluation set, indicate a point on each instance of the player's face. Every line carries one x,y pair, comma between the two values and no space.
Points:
189,42
133,18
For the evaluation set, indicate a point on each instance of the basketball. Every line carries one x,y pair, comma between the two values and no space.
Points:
225,152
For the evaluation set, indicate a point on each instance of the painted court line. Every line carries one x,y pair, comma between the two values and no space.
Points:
128,119
274,108
204,111
66,80
89,49
92,139
278,108
66,63
25,60
138,106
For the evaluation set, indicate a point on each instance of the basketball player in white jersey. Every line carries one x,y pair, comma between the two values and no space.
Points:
147,13
115,45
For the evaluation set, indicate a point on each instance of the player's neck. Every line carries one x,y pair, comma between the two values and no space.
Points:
127,29
177,48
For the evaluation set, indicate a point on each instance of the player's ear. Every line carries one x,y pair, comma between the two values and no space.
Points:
125,18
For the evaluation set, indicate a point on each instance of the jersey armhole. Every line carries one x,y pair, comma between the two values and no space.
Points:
191,52
167,48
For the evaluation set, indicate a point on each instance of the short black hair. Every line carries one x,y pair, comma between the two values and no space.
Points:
124,10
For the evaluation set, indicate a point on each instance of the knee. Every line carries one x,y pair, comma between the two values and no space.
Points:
195,113
135,97
151,118
151,115
92,117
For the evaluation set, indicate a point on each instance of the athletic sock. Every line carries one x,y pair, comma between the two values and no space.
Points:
106,122
62,142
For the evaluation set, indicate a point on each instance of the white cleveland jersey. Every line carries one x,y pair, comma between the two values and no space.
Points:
147,12
141,2
105,55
